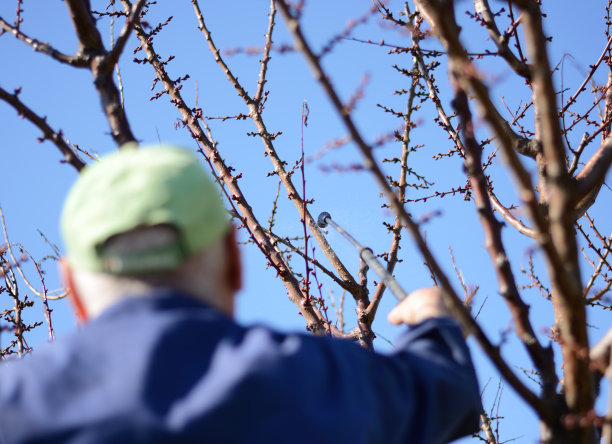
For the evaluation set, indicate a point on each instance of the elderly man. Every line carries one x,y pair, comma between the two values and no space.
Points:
153,266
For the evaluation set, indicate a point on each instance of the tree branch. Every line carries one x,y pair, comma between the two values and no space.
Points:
509,217
90,41
314,319
588,77
501,41
70,156
570,304
276,238
113,56
541,357
453,301
79,60
279,168
444,25
101,65
590,179
401,196
265,59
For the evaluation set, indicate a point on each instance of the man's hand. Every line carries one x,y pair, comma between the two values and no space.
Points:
419,305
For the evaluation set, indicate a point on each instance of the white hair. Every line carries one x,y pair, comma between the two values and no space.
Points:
201,276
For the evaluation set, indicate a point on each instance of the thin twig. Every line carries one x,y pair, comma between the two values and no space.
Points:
594,67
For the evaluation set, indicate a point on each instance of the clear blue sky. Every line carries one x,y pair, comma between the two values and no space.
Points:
34,182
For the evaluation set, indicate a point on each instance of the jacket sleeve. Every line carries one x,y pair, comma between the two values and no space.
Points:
440,362
426,392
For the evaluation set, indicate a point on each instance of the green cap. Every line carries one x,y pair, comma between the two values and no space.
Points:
136,188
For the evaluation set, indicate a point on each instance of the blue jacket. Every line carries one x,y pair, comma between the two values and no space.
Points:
166,368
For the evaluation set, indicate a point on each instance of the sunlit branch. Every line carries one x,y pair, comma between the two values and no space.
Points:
455,137
567,293
558,244
43,294
15,265
592,176
541,357
597,272
501,41
286,242
101,64
464,71
510,218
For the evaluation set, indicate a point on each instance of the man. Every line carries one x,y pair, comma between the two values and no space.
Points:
152,266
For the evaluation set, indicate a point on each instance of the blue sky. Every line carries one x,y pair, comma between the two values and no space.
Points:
35,182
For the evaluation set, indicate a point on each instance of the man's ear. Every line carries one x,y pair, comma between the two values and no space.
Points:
67,278
234,264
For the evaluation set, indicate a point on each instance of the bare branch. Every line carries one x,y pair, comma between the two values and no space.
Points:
279,166
501,41
392,255
79,60
314,319
113,56
43,294
559,244
90,41
590,179
485,426
276,238
451,298
541,357
510,218
265,58
70,156
588,77
101,66
463,70
569,303
522,145
12,256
